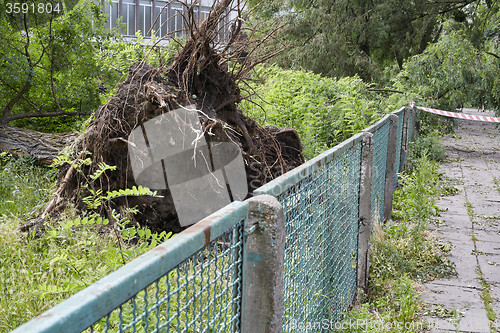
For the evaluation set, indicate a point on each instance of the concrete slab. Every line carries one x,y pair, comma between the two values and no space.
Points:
453,297
453,234
484,235
495,293
488,248
467,320
473,161
490,266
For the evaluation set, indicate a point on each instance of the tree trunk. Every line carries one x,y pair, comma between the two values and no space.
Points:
42,146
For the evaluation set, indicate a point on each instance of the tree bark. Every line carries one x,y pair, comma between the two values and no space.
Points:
42,146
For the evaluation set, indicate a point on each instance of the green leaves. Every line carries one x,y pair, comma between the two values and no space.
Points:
324,111
452,73
101,168
134,191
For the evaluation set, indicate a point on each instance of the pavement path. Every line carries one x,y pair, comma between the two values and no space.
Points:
471,225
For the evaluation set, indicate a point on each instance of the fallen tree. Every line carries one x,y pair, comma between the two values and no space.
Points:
44,147
204,73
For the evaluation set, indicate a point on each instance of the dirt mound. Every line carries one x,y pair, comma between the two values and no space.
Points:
198,76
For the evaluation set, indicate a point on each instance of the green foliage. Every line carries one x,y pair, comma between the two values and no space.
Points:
324,111
396,310
452,73
38,272
428,145
50,65
67,63
357,37
403,246
116,56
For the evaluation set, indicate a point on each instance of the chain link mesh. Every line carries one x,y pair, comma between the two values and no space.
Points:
321,232
202,294
381,138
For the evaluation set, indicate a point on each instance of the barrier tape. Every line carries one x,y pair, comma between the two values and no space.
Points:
460,115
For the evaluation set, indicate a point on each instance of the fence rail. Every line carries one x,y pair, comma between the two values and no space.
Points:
293,255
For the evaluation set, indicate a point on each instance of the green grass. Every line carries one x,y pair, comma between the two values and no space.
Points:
24,186
37,273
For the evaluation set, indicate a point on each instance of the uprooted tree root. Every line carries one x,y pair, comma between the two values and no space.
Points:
198,76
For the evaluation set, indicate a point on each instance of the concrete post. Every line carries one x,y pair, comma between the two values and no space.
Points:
404,141
365,210
390,171
263,262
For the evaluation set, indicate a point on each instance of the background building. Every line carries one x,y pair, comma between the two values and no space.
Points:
156,17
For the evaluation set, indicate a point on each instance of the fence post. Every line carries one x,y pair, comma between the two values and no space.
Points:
365,210
404,141
413,122
390,171
263,264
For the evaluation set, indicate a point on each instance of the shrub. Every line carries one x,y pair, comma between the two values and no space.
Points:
324,111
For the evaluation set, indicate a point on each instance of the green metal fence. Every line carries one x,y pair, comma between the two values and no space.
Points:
195,281
380,131
191,283
320,202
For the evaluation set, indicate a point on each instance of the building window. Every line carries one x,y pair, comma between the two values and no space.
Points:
204,12
164,17
176,24
161,17
144,20
128,14
111,10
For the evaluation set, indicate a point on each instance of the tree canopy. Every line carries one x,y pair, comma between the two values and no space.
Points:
47,63
348,37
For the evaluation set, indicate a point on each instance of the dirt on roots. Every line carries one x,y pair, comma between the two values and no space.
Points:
197,76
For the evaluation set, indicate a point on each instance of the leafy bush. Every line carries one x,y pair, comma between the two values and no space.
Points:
55,66
452,73
401,306
324,111
428,145
116,56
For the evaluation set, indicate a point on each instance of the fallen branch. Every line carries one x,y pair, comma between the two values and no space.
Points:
42,114
386,90
57,195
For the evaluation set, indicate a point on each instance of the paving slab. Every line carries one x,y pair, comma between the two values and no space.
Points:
490,267
483,235
473,162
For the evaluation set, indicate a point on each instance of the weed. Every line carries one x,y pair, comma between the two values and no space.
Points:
448,185
429,144
442,312
470,210
72,253
487,299
497,184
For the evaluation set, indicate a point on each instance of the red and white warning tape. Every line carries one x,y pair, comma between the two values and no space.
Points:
460,115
